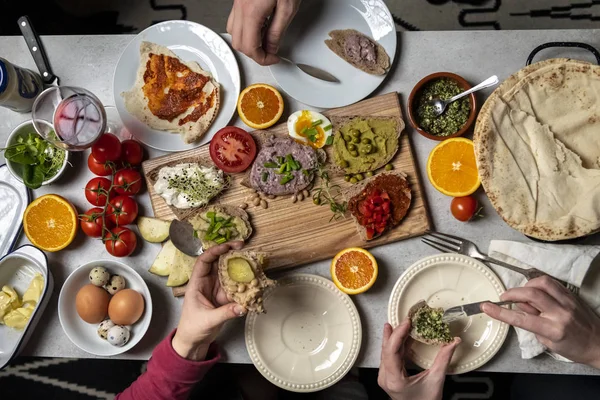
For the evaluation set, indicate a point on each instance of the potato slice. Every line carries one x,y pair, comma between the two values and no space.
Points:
153,230
183,265
163,264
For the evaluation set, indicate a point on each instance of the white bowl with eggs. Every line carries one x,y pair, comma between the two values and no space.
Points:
85,335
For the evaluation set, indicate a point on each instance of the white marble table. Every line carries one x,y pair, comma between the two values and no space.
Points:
89,61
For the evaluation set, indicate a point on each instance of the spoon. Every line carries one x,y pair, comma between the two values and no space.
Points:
439,106
312,71
182,236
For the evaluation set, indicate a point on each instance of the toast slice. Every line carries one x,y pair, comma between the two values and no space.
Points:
393,143
337,44
152,176
395,184
240,216
427,325
241,276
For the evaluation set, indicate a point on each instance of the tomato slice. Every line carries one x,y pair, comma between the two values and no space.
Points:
232,149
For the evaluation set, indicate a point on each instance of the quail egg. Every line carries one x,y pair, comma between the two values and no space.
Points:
116,283
99,276
104,327
118,335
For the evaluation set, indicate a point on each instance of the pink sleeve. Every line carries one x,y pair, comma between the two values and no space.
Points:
169,376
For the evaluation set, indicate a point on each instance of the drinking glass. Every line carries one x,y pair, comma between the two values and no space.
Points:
71,118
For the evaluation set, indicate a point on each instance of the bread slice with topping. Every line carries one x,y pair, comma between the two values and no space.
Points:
393,188
359,50
427,324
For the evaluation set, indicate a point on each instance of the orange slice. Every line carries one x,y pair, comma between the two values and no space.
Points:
260,106
451,167
50,222
354,270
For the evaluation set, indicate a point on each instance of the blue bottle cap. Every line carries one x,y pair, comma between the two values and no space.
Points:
3,77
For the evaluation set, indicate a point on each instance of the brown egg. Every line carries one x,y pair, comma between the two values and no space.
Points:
91,303
126,307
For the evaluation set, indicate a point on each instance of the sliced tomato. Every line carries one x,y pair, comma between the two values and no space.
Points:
232,149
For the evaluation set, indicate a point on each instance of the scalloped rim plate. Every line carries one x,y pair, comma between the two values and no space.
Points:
448,280
310,336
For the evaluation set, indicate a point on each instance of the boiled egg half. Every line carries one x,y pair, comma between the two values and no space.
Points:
310,128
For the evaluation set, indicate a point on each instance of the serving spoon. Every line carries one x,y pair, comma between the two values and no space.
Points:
439,106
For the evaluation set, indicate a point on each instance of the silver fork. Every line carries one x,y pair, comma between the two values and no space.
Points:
455,244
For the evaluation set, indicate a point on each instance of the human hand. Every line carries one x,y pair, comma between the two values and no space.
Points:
561,322
205,307
427,385
247,20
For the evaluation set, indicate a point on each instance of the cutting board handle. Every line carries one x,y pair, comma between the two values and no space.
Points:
585,46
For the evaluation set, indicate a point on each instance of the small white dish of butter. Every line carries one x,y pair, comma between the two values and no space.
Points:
25,288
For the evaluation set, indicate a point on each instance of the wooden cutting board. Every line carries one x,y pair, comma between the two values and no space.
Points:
294,234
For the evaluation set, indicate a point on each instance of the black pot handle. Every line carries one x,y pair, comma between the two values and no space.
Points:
586,46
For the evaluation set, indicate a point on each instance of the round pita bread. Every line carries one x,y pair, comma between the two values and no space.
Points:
537,145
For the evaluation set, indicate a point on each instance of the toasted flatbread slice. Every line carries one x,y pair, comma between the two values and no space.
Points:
249,293
337,44
152,176
395,184
172,95
237,213
394,143
413,315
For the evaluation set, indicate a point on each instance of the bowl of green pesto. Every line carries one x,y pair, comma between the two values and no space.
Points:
32,159
458,117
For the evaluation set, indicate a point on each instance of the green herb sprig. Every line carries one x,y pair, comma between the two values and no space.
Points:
329,195
41,160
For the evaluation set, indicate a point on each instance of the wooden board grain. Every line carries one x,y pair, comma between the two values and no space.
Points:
294,234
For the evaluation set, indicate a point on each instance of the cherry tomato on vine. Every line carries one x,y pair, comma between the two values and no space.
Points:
107,148
122,210
132,152
100,169
464,208
120,242
91,222
96,191
127,181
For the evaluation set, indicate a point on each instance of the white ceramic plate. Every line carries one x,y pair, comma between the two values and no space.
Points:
85,335
304,42
17,269
448,280
310,336
14,198
191,42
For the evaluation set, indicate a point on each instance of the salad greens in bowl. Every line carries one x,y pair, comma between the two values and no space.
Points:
32,159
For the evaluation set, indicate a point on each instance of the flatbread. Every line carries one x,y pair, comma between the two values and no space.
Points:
204,90
537,144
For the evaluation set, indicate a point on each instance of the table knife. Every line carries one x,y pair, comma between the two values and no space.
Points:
455,313
34,44
313,71
182,235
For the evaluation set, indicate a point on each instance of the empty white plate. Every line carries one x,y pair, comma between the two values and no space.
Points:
85,335
310,336
448,280
191,42
304,42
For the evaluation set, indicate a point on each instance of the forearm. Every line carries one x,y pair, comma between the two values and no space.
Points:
170,376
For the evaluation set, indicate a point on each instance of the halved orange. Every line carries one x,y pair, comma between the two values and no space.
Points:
260,106
354,270
451,167
50,222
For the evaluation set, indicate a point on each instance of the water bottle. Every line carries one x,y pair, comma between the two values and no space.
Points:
18,87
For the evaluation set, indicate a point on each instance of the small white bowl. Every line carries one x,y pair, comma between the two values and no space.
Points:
85,335
16,169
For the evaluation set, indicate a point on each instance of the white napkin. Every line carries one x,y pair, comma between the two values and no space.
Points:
568,263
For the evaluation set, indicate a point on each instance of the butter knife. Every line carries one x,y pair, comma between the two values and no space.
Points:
313,71
455,313
182,235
